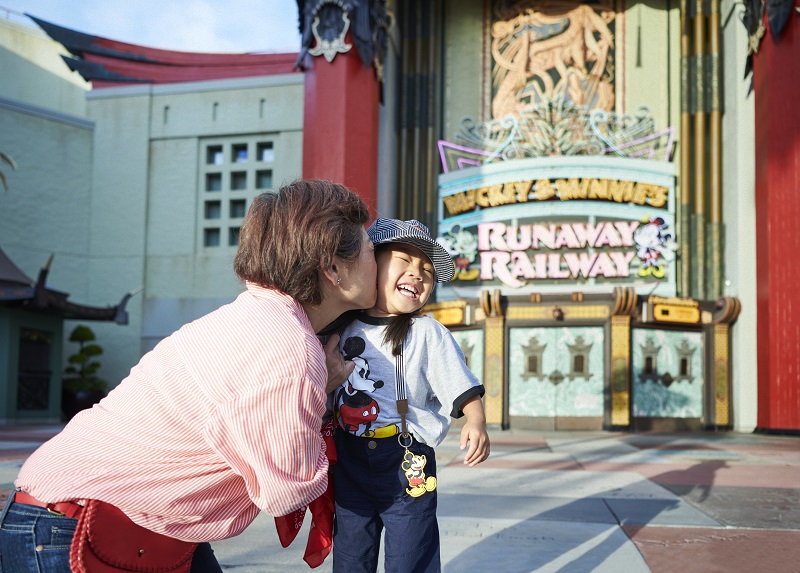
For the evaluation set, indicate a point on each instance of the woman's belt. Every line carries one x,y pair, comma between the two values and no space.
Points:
66,508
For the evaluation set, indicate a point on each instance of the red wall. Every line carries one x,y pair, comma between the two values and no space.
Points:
340,124
777,125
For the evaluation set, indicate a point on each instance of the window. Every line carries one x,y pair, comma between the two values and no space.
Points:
239,181
211,237
240,153
233,236
233,171
577,364
266,153
648,365
264,179
213,182
214,155
213,209
533,363
238,208
684,366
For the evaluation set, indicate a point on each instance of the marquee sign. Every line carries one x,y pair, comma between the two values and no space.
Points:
560,223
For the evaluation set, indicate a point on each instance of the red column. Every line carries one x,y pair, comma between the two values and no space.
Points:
777,128
340,124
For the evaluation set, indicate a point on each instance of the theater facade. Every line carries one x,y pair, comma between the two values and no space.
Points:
577,185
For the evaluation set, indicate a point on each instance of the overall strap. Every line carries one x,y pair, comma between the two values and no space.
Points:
400,391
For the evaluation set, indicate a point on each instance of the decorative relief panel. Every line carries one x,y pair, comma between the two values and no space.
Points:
545,51
556,371
667,374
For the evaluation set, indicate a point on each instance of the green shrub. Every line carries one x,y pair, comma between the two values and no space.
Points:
81,374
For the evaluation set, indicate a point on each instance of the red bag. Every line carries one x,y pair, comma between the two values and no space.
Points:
107,541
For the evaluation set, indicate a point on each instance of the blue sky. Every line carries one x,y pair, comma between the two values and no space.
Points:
187,25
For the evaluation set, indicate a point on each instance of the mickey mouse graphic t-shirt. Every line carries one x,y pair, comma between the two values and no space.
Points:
437,380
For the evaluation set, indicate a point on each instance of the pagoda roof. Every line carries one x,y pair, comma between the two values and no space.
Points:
14,284
106,62
11,275
18,290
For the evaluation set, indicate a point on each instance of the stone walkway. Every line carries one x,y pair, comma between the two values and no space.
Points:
579,501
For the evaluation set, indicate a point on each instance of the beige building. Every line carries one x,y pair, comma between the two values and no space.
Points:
137,188
624,76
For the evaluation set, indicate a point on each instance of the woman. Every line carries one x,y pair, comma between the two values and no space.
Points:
222,419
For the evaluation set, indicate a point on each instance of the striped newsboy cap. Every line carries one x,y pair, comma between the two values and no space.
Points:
415,234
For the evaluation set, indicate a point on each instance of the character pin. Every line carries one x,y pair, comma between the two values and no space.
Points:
413,465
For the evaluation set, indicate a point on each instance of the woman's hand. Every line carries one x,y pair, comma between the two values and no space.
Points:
338,368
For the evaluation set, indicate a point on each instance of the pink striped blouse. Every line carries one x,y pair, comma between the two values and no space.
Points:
218,422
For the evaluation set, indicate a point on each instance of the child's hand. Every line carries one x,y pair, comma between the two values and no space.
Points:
474,433
338,368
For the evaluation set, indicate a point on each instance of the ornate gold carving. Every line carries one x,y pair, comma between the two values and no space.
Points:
620,367
673,301
484,302
494,370
721,382
676,314
330,46
673,309
497,309
570,312
530,313
449,313
491,303
448,316
445,304
729,309
626,301
549,50
584,312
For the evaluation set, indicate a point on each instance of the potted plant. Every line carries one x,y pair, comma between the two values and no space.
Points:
82,388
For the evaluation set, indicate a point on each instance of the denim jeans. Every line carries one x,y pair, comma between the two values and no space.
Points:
371,495
33,540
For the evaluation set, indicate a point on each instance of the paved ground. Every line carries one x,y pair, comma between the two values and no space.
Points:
579,501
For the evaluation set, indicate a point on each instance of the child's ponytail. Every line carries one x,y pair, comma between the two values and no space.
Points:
397,330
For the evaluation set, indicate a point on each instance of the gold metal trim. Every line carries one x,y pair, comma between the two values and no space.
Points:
494,369
620,370
570,312
721,375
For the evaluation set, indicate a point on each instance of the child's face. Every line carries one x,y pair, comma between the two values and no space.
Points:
405,280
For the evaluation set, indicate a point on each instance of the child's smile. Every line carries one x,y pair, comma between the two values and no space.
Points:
408,290
405,280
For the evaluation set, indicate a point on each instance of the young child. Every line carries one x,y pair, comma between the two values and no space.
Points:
410,377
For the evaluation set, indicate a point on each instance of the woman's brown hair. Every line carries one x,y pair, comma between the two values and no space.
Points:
287,238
